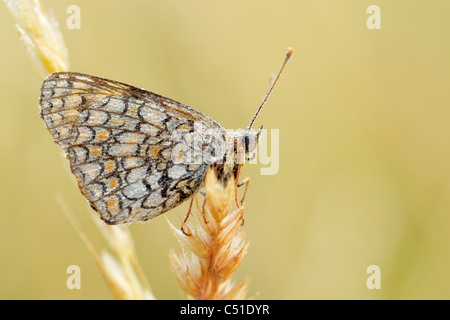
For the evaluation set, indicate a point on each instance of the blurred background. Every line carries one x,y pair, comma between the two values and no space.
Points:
363,118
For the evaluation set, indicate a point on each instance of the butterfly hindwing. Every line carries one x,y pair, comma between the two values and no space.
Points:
119,141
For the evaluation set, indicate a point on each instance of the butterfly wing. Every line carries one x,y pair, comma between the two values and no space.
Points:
119,141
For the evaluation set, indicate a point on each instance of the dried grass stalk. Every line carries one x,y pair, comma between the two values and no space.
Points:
120,269
213,250
40,33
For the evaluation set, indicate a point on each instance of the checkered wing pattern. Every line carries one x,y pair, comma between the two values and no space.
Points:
118,140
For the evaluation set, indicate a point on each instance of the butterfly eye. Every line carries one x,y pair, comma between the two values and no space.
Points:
246,143
250,140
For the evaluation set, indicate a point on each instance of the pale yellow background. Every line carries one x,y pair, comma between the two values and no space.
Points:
364,117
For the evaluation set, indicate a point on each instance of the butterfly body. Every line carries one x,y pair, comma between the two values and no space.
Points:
121,143
136,154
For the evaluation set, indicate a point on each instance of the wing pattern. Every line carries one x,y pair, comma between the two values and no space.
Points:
119,141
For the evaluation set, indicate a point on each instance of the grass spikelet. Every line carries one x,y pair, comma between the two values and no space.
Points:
213,249
40,33
120,268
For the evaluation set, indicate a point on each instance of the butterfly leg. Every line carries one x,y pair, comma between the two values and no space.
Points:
186,218
245,182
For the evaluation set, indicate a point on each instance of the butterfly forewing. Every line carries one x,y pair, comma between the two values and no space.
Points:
119,141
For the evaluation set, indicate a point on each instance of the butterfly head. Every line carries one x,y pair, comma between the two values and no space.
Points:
250,141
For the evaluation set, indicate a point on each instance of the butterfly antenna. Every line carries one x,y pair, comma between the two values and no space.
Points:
272,85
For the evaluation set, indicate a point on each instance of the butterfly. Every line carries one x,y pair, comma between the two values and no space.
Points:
133,152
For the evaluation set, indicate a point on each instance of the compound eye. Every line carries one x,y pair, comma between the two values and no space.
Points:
247,143
250,140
